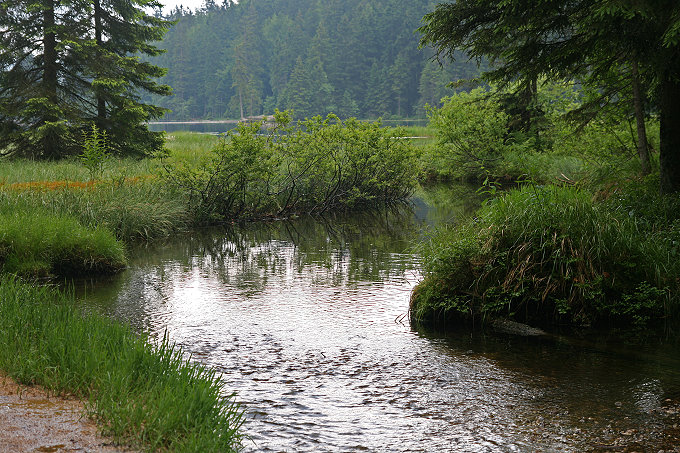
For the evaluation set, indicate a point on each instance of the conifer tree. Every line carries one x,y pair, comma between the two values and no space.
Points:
65,64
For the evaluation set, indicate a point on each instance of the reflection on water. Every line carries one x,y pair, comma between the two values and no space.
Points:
305,320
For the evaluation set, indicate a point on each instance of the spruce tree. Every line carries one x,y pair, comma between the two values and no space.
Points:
65,64
120,33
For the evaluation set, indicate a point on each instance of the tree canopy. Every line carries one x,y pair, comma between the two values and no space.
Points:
350,57
65,64
574,39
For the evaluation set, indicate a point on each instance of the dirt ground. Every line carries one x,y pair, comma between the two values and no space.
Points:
33,421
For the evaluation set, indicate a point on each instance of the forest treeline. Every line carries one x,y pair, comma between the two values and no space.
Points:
349,57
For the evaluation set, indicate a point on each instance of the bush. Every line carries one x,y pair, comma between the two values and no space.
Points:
548,255
472,136
478,137
316,165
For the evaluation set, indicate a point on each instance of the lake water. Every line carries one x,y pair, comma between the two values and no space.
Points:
221,127
307,321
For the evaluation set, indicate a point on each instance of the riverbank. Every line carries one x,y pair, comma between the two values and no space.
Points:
140,391
552,255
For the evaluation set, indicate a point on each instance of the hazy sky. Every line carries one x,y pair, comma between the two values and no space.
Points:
169,5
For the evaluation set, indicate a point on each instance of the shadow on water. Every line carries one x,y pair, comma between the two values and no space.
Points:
305,320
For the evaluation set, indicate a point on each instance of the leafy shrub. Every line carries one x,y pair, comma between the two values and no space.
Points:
313,166
471,135
477,137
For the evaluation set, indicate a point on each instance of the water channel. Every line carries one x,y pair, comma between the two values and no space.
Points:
306,321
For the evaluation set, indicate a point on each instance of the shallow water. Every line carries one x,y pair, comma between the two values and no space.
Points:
306,321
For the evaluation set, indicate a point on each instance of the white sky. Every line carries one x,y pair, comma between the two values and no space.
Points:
169,5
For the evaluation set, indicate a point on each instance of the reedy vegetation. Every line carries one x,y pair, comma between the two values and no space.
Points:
550,254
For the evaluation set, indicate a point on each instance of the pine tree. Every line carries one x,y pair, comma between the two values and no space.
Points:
120,32
298,91
34,103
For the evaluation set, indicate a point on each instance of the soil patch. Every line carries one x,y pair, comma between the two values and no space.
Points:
32,420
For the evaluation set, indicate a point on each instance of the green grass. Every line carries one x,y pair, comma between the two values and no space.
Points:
142,394
144,209
189,147
551,255
35,244
132,199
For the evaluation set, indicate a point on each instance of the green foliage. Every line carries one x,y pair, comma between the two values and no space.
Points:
546,255
310,166
95,152
141,392
476,140
64,65
616,49
471,132
356,59
35,244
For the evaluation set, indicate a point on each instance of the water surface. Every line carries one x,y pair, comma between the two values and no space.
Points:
306,321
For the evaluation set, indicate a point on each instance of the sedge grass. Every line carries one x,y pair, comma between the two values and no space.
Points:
141,394
132,209
36,244
190,148
551,255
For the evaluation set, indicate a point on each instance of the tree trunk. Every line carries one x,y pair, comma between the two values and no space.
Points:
669,153
240,102
642,149
101,102
527,100
50,74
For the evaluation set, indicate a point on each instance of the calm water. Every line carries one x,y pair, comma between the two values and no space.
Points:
306,321
215,127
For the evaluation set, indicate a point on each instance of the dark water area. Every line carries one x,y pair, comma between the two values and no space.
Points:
306,320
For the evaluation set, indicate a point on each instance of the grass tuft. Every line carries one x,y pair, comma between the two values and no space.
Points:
35,244
551,255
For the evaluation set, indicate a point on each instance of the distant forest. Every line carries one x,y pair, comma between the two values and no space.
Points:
350,57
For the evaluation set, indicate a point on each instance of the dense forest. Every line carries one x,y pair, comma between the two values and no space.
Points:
350,57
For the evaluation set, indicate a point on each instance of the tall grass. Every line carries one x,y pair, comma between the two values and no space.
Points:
33,243
191,148
141,394
547,255
132,209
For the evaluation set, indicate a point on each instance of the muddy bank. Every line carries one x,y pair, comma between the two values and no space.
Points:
34,421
